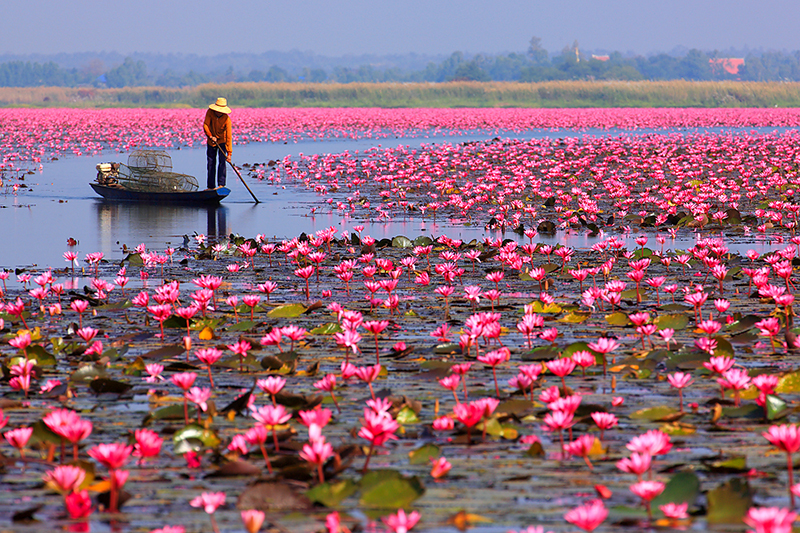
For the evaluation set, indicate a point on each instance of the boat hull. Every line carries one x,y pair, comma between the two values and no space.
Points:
205,197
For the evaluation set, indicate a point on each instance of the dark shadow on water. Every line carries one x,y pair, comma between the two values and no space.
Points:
127,223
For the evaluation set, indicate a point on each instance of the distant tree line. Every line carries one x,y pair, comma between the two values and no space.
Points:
534,65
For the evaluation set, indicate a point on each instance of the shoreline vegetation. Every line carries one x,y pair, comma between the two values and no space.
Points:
554,94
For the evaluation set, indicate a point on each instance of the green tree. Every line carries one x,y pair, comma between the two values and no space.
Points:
536,54
129,74
695,66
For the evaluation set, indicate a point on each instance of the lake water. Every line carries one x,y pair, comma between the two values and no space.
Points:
58,204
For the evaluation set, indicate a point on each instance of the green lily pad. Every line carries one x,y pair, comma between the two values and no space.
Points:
203,323
736,464
514,407
166,352
175,322
729,502
42,433
208,438
789,383
423,454
326,329
575,317
724,348
618,318
169,412
577,347
675,307
776,408
423,240
496,429
42,356
656,414
287,311
332,494
749,411
244,325
540,308
401,242
630,294
389,489
88,372
676,322
447,348
133,260
743,324
541,353
683,487
407,416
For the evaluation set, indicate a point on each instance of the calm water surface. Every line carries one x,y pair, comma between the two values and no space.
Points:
58,205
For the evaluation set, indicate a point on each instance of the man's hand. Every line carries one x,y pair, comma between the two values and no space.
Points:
228,157
214,139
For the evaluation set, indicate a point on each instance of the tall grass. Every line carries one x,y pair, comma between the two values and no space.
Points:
454,94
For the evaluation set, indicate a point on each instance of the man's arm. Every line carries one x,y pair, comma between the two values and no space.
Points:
207,126
228,137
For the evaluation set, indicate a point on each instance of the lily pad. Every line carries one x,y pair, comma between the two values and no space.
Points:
169,412
193,432
618,318
401,242
244,325
165,352
575,317
730,465
661,413
287,311
541,353
447,348
729,502
540,308
389,489
407,416
789,383
776,408
423,454
743,324
683,487
676,322
332,494
42,356
270,496
105,386
326,329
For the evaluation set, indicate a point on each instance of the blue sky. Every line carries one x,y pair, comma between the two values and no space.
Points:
373,26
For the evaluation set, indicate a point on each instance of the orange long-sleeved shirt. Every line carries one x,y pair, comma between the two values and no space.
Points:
219,128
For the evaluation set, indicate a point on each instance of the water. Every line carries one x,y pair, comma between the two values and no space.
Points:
59,205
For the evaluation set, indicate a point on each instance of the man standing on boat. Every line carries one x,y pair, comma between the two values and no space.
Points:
217,126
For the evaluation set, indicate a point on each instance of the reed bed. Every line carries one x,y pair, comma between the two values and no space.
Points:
454,94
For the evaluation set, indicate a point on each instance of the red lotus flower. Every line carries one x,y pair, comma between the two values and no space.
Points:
588,516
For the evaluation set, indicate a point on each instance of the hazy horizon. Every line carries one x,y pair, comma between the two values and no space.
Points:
361,27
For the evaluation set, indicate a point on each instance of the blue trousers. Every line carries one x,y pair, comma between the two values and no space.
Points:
212,153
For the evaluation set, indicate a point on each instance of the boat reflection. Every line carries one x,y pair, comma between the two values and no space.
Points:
128,224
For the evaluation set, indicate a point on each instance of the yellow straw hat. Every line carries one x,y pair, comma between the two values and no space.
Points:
221,105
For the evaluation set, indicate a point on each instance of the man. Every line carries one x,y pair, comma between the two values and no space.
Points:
217,126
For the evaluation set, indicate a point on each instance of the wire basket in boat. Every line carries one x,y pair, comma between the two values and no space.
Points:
151,170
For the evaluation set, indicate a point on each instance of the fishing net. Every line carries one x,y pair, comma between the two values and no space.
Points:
151,170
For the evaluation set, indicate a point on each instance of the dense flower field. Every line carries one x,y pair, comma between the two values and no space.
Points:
30,135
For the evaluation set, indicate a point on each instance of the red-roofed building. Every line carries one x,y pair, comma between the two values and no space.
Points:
728,64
